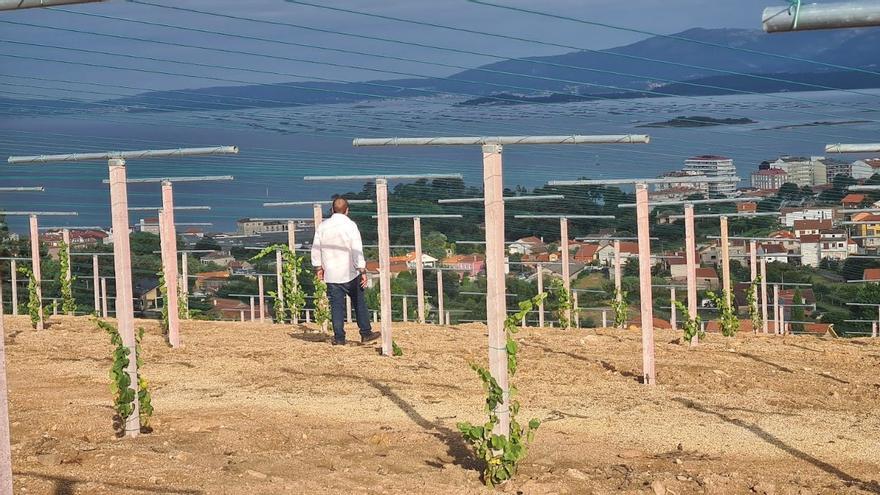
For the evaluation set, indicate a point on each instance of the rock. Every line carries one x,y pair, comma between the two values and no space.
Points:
764,488
154,480
49,459
658,488
256,474
682,477
576,474
677,460
629,454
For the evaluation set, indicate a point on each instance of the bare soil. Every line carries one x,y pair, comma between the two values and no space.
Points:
253,409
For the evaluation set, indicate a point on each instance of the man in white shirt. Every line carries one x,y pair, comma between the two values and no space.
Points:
338,257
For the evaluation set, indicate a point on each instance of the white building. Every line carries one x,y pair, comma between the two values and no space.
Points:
790,216
803,171
857,169
769,179
714,166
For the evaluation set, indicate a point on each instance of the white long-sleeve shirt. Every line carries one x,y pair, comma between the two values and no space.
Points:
338,249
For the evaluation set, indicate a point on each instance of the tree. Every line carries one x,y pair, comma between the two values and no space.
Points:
207,243
789,191
631,267
435,244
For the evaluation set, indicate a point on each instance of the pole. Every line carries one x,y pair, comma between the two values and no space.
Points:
617,273
874,334
241,313
95,283
279,281
5,446
496,307
291,244
604,319
65,238
753,265
776,310
317,215
764,293
725,261
124,295
672,314
648,375
184,279
262,299
577,313
541,291
170,264
348,309
566,269
13,275
105,313
420,270
384,265
820,16
404,310
690,256
440,320
253,311
35,262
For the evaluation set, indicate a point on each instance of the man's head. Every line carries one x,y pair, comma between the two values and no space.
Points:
340,205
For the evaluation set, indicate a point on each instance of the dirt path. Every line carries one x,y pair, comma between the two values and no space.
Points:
261,409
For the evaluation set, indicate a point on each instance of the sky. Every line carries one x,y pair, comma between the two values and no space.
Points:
222,69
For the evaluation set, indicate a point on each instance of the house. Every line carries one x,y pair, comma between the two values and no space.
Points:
786,239
790,214
810,249
211,282
810,227
466,265
786,299
677,267
527,245
149,225
228,309
586,253
409,259
531,259
872,274
707,278
80,239
869,231
146,293
221,259
747,207
242,268
675,194
852,200
773,253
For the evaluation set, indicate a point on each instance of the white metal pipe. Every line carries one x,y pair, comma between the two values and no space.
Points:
820,16
852,148
569,217
693,202
178,208
697,179
303,203
31,4
39,213
731,215
22,189
483,140
125,155
386,177
506,198
202,178
421,216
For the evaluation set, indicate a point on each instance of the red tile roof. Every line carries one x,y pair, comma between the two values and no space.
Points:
812,224
706,272
853,198
871,274
629,247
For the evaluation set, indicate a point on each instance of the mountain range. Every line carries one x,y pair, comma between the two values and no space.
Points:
656,66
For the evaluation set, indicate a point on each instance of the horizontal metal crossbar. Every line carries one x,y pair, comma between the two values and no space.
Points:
125,155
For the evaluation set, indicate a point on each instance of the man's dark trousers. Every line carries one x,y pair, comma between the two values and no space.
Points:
337,294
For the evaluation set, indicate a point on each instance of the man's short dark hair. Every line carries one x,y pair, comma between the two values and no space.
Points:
340,205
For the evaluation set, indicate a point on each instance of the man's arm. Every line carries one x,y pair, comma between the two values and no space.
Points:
357,249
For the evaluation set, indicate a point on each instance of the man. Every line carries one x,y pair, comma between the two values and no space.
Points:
338,257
